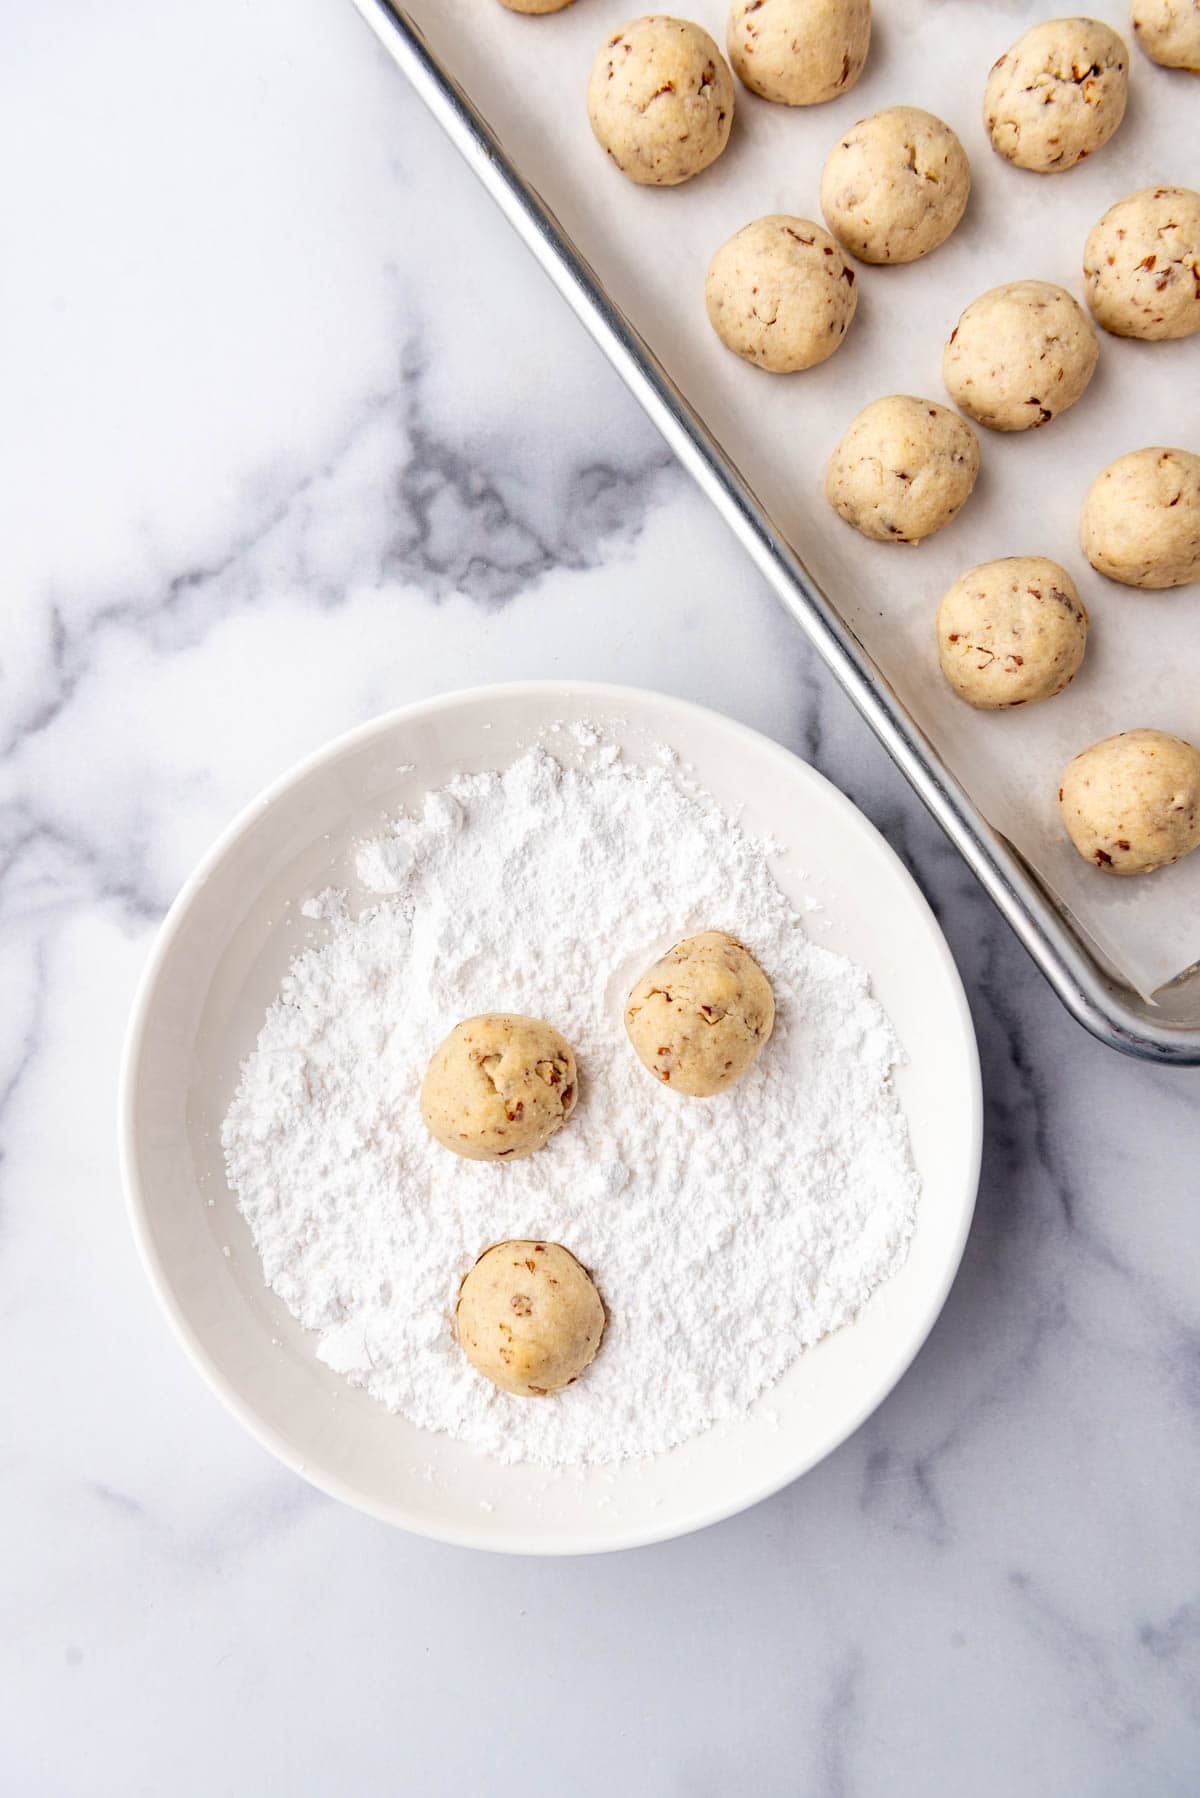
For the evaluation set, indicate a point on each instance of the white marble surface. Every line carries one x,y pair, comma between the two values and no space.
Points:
296,432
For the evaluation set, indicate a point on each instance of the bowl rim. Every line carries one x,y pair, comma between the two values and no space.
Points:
605,696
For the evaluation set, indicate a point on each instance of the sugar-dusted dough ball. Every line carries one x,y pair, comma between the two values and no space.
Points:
535,6
895,185
1019,355
1169,31
1141,263
1132,803
499,1087
661,100
781,294
903,469
699,1017
1011,632
1141,519
799,52
1057,95
529,1317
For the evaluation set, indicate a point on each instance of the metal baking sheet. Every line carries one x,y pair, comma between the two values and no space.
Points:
509,90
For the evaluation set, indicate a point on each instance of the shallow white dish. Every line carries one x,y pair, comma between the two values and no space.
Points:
216,965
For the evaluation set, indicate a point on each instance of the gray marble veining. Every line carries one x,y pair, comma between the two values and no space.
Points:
303,434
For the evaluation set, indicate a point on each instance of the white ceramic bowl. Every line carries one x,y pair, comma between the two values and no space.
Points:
218,962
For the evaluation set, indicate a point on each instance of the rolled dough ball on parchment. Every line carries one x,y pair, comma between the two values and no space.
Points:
1057,95
1132,803
529,1317
1141,519
799,52
1019,355
1141,264
1011,632
781,294
1169,31
903,469
895,185
535,6
700,1016
499,1087
660,100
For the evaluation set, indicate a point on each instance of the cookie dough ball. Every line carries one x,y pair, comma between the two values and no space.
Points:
799,52
699,1017
1057,95
529,1317
781,294
895,186
1011,632
499,1087
1132,803
535,6
1169,31
661,100
1141,519
1019,355
1141,264
903,469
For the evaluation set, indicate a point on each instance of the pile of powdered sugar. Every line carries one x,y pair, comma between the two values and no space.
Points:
725,1235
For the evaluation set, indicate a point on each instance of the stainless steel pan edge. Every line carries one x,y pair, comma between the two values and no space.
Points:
1165,1032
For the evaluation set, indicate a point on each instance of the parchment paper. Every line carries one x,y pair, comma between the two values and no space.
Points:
651,247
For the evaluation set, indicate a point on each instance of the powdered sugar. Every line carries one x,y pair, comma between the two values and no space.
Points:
725,1235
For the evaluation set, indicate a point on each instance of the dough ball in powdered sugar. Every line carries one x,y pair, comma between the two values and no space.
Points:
660,100
799,52
364,1223
903,469
895,185
1019,355
529,1317
781,294
1141,264
1057,95
701,1015
1169,31
499,1087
